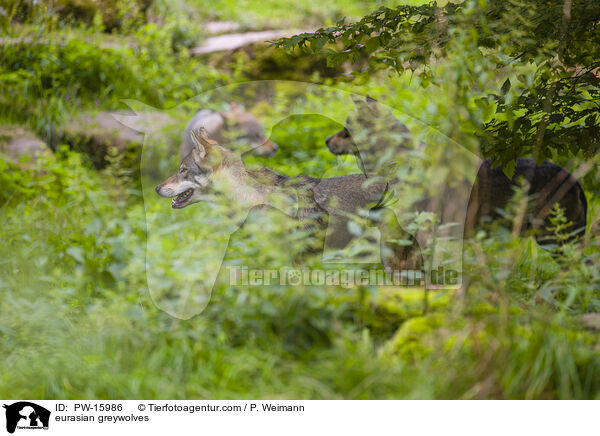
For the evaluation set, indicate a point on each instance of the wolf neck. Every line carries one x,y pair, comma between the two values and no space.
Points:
257,187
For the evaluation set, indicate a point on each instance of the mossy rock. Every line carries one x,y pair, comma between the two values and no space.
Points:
439,330
262,62
389,307
95,133
411,341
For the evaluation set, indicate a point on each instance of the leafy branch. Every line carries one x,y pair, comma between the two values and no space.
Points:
555,110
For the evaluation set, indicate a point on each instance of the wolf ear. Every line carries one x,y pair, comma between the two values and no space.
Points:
372,105
364,102
202,143
366,105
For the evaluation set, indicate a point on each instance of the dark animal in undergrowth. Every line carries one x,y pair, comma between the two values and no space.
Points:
547,184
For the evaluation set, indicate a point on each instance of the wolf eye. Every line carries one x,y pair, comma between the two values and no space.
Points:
183,170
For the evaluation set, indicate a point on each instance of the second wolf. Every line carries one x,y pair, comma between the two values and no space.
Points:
547,184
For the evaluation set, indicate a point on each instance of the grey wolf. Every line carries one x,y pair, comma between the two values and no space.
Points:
211,170
234,128
385,138
368,133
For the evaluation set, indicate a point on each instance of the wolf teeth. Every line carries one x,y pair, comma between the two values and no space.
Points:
184,195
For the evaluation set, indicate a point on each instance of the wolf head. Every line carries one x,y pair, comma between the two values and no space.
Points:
191,183
250,130
370,124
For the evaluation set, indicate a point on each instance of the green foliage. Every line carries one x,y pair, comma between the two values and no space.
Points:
112,14
115,14
276,14
519,356
533,65
43,81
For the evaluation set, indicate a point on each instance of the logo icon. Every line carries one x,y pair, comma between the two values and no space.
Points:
26,415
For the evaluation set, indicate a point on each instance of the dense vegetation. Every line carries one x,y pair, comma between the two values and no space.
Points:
544,55
76,317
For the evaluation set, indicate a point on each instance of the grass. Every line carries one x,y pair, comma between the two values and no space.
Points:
276,14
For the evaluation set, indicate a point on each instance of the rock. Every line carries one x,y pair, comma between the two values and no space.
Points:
18,144
94,134
233,41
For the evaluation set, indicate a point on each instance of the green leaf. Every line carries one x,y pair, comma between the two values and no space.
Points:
317,44
372,44
336,59
508,168
385,37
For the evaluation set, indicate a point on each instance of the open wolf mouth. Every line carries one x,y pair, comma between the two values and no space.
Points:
181,200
